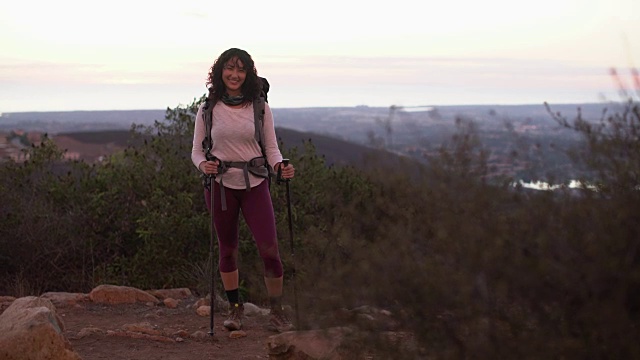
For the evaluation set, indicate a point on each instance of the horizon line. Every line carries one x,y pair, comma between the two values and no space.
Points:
409,107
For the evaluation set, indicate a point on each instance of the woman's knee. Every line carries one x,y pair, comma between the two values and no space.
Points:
273,268
228,259
228,264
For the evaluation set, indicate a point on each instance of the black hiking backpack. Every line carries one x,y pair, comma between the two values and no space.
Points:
258,115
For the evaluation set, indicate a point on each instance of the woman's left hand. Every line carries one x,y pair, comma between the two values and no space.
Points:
288,171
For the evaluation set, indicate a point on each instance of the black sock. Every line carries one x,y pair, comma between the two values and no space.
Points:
275,302
233,296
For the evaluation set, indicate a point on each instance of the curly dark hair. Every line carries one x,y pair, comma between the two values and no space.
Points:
252,84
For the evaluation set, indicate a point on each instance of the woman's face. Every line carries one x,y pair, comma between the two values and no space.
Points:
233,75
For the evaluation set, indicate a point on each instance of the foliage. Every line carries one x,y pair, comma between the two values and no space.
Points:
472,268
42,201
612,148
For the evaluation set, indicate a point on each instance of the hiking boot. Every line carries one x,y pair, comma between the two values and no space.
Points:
234,321
279,321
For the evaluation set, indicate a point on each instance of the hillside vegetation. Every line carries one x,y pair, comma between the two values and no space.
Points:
475,269
331,149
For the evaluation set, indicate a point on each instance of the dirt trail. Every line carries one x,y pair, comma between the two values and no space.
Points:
169,322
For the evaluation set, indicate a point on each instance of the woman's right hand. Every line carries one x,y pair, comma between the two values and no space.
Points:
209,167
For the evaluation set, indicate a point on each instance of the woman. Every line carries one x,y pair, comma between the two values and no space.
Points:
233,85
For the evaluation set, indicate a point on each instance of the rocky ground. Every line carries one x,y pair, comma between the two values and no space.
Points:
117,322
138,331
126,323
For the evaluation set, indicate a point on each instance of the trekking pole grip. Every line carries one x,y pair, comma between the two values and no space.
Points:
286,163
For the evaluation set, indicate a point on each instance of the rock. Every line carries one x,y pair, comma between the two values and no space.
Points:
31,329
112,294
309,345
204,310
220,304
64,299
254,310
199,335
368,318
171,303
180,293
181,333
201,302
236,334
143,328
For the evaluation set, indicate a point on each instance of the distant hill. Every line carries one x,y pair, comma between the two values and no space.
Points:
529,131
90,144
116,137
334,150
339,121
72,121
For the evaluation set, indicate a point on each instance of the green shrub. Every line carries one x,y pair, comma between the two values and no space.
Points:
471,268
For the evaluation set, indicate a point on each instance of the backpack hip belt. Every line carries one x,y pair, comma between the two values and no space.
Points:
257,166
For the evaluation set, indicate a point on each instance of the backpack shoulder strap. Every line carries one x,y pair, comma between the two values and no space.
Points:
258,117
207,113
258,114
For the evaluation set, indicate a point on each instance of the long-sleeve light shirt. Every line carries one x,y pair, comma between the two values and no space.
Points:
233,135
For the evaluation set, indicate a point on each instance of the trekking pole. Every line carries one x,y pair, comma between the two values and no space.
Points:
211,241
293,272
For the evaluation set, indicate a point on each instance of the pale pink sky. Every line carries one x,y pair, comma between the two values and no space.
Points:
86,55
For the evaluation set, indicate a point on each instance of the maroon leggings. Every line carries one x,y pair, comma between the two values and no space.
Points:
257,211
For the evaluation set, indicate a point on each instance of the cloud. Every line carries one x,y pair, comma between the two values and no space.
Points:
432,71
99,73
302,81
